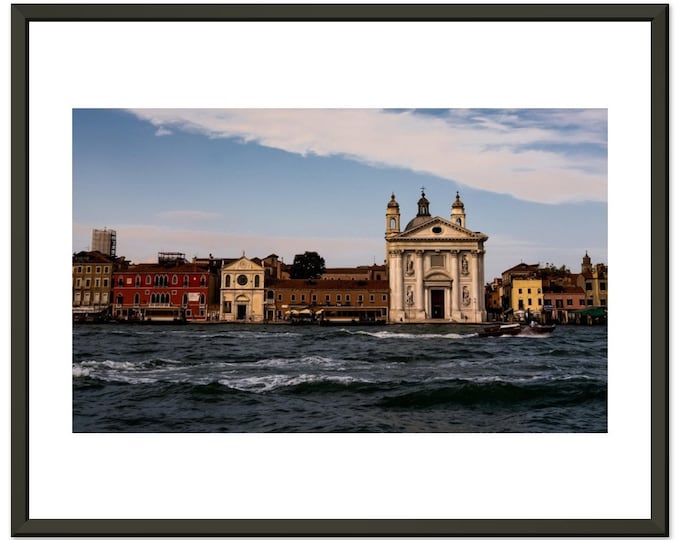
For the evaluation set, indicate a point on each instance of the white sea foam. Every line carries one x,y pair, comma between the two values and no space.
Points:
268,383
385,334
79,371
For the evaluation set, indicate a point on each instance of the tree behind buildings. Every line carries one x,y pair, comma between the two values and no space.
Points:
309,265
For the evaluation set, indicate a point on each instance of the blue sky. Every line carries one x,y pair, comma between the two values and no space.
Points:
285,181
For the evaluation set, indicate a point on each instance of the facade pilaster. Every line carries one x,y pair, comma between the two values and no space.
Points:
455,288
474,272
419,283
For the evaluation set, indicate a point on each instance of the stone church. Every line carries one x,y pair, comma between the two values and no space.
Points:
435,266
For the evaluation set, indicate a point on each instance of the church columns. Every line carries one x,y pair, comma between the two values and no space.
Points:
397,281
455,289
419,283
474,272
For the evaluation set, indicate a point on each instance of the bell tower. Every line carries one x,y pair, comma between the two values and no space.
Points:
458,212
392,216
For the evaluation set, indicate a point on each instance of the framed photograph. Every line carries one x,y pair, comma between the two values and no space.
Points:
340,126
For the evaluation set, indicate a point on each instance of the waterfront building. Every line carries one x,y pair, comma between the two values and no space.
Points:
92,284
375,272
288,298
526,296
170,290
435,266
593,280
561,303
494,299
242,291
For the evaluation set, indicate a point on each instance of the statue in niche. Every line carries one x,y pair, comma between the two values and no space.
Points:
466,296
409,265
409,296
464,265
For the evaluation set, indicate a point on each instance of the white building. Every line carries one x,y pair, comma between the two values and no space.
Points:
242,291
435,266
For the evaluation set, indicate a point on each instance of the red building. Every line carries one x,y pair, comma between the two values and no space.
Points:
171,290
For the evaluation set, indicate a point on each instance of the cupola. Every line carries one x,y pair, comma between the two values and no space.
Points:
458,211
392,216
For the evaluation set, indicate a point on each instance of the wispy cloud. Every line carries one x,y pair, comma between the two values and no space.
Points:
547,156
188,215
161,131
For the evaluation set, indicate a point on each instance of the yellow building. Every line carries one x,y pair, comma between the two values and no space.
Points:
526,295
593,280
242,291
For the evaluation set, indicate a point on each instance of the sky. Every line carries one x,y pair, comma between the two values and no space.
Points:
224,182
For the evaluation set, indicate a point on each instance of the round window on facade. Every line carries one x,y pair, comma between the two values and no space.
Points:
242,280
437,229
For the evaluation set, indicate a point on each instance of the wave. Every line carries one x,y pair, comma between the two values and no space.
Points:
555,392
386,334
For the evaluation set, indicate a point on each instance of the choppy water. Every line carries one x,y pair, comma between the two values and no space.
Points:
396,378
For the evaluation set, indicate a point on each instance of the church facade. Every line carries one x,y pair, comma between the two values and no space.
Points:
435,266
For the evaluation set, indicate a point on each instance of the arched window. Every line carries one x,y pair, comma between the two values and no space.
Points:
257,281
174,279
185,299
136,302
186,281
202,281
138,281
202,299
393,223
148,280
119,299
227,281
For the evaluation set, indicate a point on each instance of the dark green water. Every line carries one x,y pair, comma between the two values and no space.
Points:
396,378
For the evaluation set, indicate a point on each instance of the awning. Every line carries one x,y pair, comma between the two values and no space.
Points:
593,312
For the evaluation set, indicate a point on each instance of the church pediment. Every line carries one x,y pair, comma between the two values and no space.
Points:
438,228
243,264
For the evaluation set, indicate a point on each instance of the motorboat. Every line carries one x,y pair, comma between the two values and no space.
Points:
498,330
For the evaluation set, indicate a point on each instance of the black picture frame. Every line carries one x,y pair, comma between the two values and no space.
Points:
658,524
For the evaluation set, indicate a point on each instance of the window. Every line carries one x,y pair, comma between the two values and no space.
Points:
347,298
185,299
97,282
174,279
539,302
227,281
201,299
270,295
338,297
280,297
361,298
529,302
603,302
227,307
138,281
570,302
119,299
603,286
120,281
328,298
106,282
106,269
372,298
88,269
257,281
98,269
528,291
202,281
76,299
188,313
581,302
79,269
105,298
589,286
87,283
136,301
78,283
302,297
519,291
590,302
185,281
314,298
